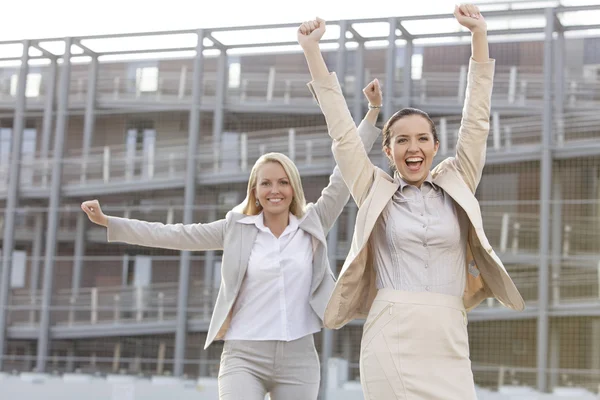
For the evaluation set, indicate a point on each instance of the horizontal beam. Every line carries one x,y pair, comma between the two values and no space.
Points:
519,31
489,14
146,51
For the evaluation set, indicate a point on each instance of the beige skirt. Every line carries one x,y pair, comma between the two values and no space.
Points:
415,346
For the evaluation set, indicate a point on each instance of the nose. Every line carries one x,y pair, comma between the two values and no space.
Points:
413,146
275,188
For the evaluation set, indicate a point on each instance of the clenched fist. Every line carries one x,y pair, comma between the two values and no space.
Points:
468,15
310,32
94,212
373,93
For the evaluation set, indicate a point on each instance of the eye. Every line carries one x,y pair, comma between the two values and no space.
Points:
285,183
265,183
424,139
401,140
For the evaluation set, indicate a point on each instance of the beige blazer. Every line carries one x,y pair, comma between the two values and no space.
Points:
372,189
237,239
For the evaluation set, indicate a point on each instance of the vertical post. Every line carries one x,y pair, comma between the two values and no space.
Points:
340,65
80,239
292,144
390,67
545,192
53,206
182,79
409,50
327,334
359,82
443,135
106,164
512,84
89,118
12,195
218,117
504,232
209,265
557,239
36,253
48,118
270,84
496,130
559,88
189,199
244,152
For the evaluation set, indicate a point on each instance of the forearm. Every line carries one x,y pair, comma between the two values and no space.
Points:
479,46
372,115
316,63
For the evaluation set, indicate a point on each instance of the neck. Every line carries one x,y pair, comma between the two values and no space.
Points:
276,222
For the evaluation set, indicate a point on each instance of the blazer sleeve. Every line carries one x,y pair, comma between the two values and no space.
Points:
350,155
335,196
192,237
475,123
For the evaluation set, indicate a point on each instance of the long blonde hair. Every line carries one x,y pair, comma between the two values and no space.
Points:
298,204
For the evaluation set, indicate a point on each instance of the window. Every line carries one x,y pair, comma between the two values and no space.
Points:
417,66
146,79
32,89
235,70
17,274
591,73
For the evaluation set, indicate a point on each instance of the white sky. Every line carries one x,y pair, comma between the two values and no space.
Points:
58,18
34,19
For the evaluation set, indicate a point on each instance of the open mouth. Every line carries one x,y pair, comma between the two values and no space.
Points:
414,163
275,201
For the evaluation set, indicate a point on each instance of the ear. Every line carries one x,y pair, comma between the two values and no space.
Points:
436,147
388,152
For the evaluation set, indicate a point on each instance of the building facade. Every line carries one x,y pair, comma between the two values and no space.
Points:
172,137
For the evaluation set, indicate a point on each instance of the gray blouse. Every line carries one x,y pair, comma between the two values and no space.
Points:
419,241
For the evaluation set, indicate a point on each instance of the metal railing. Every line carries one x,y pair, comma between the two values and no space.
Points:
308,146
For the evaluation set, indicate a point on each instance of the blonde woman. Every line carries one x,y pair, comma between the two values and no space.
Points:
276,278
419,257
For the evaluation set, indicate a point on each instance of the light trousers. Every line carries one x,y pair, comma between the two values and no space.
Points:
286,370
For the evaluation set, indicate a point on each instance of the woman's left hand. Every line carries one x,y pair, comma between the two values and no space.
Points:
469,16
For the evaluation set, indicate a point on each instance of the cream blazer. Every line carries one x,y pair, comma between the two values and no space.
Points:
372,188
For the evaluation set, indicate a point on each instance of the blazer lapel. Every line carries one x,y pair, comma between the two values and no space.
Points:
381,197
311,225
462,195
248,233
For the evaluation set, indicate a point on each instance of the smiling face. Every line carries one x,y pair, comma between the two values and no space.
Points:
273,189
411,146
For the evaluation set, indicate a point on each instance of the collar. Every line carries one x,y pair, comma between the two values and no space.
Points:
259,221
402,183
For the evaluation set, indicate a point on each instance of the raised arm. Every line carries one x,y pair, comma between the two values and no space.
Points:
335,196
348,151
192,237
475,123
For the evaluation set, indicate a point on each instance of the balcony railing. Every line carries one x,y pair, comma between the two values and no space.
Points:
513,85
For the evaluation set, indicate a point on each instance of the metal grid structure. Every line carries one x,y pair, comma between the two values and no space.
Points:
539,194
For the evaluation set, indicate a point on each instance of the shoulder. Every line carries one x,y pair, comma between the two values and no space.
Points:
232,217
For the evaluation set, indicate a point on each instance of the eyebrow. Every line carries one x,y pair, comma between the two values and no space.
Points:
418,134
278,179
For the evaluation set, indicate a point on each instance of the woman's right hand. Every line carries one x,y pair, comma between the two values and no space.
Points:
310,32
94,212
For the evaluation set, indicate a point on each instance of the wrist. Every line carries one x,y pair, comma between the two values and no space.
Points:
375,107
310,46
479,32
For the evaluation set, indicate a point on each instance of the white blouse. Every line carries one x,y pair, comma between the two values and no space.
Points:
273,302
